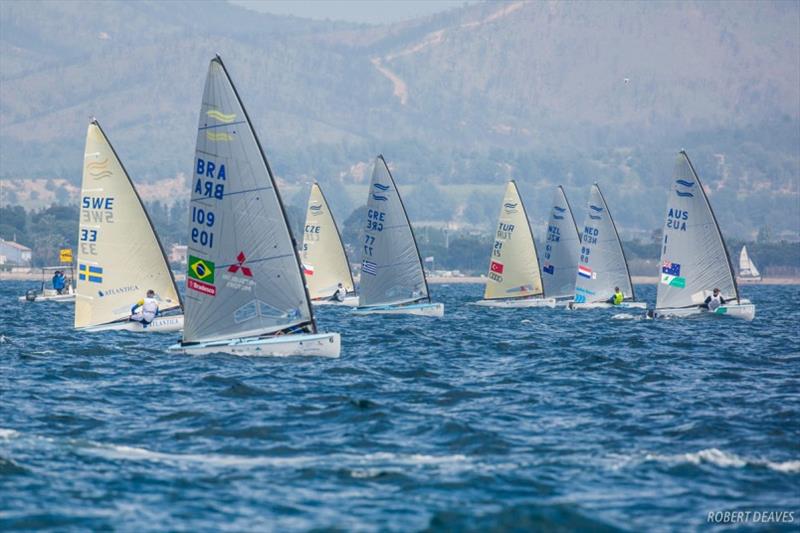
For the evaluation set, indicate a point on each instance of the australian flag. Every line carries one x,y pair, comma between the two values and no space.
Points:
548,269
673,269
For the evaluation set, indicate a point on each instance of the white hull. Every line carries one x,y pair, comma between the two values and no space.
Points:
606,305
49,296
306,344
160,324
349,301
522,302
431,309
744,311
749,280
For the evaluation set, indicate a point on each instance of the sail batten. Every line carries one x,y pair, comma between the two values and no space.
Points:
562,249
391,267
120,256
244,275
325,260
514,265
694,259
602,265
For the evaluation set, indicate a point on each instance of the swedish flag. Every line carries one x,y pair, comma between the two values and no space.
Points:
93,273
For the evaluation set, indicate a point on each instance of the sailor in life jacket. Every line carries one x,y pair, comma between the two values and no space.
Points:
340,293
146,309
617,297
714,301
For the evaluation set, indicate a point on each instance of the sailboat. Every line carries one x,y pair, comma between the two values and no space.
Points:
392,278
245,290
324,259
694,260
561,251
748,273
514,279
601,264
119,255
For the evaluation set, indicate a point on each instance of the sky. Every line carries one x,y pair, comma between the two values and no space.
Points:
362,11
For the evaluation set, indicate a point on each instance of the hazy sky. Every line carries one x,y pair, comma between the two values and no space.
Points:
368,11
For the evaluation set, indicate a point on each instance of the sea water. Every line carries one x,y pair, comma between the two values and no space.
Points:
487,418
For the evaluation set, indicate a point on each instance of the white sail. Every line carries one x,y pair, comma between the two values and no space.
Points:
324,260
747,268
391,268
601,265
562,249
119,255
244,277
693,256
513,266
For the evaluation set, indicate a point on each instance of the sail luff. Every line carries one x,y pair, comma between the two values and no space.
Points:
147,218
533,240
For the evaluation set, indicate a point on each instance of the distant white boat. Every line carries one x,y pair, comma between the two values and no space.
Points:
392,278
748,273
514,279
325,261
694,259
561,251
119,255
602,265
245,291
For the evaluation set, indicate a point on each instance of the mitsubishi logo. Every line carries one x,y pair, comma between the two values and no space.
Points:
240,264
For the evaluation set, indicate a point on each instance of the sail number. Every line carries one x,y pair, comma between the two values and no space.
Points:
204,218
375,220
89,235
553,236
369,240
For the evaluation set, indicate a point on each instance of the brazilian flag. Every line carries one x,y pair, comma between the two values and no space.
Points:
201,269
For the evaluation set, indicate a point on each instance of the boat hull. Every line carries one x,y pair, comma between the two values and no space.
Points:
159,324
307,344
742,311
745,281
427,309
349,301
606,305
522,302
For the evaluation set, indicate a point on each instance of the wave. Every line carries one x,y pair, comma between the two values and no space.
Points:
712,456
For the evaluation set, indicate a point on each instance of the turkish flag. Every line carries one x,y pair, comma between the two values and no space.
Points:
496,267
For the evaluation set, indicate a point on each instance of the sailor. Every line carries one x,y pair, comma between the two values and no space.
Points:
617,297
146,309
340,293
59,282
714,301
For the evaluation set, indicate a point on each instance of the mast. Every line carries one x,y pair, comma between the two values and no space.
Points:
619,241
146,214
716,224
408,221
218,59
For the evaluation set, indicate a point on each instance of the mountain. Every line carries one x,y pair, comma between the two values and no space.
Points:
547,93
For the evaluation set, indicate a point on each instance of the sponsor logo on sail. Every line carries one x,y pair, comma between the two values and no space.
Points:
596,209
688,185
201,276
239,265
368,267
510,207
117,290
379,197
316,209
586,272
98,170
496,266
219,136
90,273
219,116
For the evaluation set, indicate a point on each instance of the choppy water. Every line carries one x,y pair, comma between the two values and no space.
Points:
485,419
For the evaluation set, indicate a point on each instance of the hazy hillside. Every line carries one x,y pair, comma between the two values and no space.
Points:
543,92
